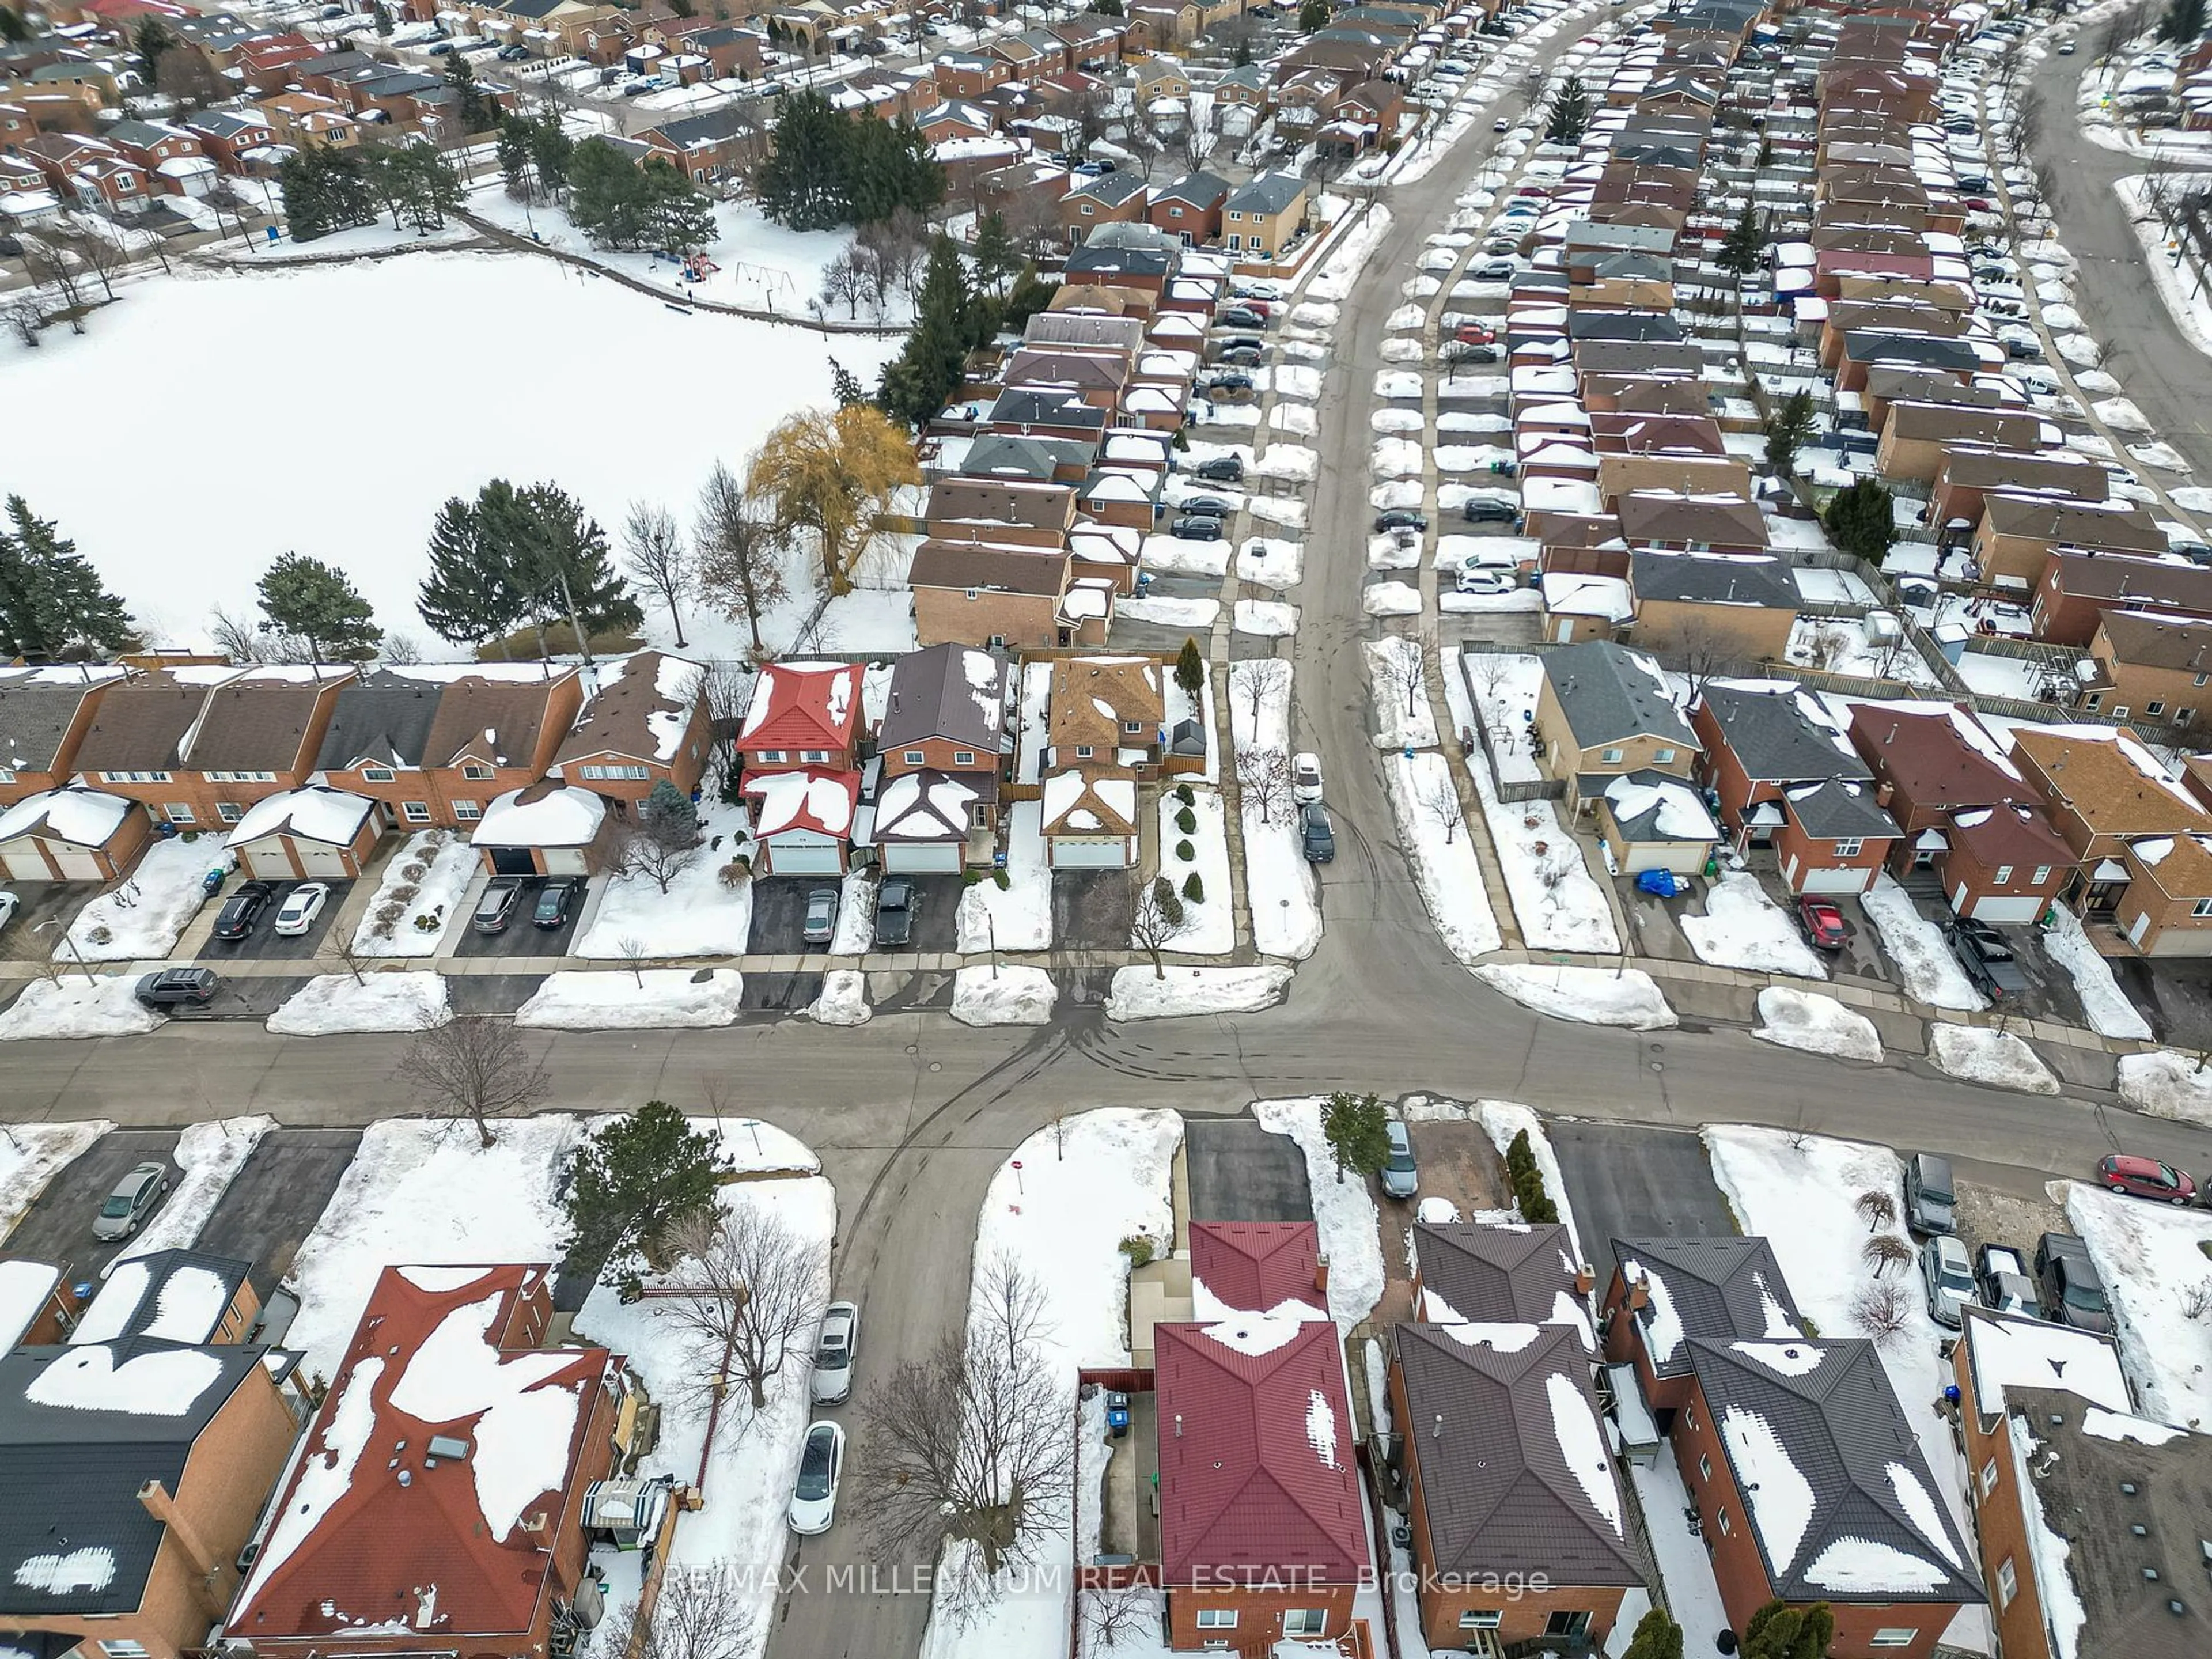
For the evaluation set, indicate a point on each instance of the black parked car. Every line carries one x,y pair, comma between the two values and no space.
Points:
556,901
1242,356
1207,507
177,987
894,906
236,922
2072,1292
1315,833
1986,957
1400,518
1488,510
1222,469
1198,529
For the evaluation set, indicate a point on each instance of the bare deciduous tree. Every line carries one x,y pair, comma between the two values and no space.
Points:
657,858
1012,1310
96,250
51,265
1253,681
1109,1615
1157,922
740,557
753,1295
655,553
1876,1208
634,953
1884,1251
475,1066
1438,800
1881,1311
702,1611
852,278
1399,668
900,247
26,321
2196,1300
1264,777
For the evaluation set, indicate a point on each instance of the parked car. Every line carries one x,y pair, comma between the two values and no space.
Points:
1400,518
2002,1280
1221,383
2029,351
1305,778
1946,1279
1501,124
502,896
2145,1177
1490,509
301,907
1400,1179
175,987
1243,356
1475,334
814,1494
132,1202
1472,354
1197,528
512,54
556,901
1929,1195
2067,1282
834,1349
2065,48
1221,469
820,916
1314,832
9,903
894,915
1986,957
1485,579
1207,507
1239,317
1821,923
243,910
1494,271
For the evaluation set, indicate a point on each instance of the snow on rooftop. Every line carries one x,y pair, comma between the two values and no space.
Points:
2117,1425
325,1475
91,1568
440,1280
677,685
2034,1354
190,1305
111,1310
567,817
1252,1334
1779,1495
1320,1428
1506,1338
1782,1358
1862,1566
24,1287
1663,1332
1582,1445
807,799
1919,1507
330,816
87,1379
85,817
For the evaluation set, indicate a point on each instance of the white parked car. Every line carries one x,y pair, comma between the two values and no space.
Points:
1484,579
301,908
834,1351
814,1494
8,903
1305,778
1948,1277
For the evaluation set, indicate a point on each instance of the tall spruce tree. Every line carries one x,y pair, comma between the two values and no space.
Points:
917,383
315,603
1862,519
464,599
1569,113
52,602
800,184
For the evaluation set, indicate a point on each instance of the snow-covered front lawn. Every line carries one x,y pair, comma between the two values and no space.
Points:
1915,945
1403,718
1280,888
650,998
1210,920
71,1008
1426,803
1344,1211
1137,992
139,918
1019,918
32,1154
1742,927
1593,996
2150,1258
1980,1054
1818,1024
208,1156
1012,995
1504,686
334,1003
418,898
697,916
1803,1200
2109,1011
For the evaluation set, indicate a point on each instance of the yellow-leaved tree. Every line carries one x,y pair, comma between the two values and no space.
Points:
832,472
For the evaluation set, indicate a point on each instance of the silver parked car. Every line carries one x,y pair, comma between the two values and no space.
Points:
132,1202
820,916
834,1351
1400,1179
1948,1277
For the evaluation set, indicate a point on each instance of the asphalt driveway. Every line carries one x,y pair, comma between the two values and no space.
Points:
1239,1172
1091,910
522,937
779,914
59,1227
276,1197
1626,1182
264,944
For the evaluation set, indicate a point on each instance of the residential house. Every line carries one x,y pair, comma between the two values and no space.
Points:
2089,1518
998,595
646,723
165,1453
1652,822
1263,1269
2017,533
1664,1294
229,135
1262,1533
1604,710
434,745
1509,1482
1786,779
1090,820
179,1296
545,829
44,715
801,746
314,831
2106,794
1098,376
1693,523
484,1436
1006,512
1712,607
1189,207
709,149
36,1308
1261,219
2078,588
1969,474
1105,714
1810,1486
1468,1273
1969,819
943,733
302,118
2152,665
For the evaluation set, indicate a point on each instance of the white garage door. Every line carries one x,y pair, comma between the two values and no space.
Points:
77,864
802,860
268,857
2007,908
566,861
922,860
20,861
1845,880
1112,854
320,859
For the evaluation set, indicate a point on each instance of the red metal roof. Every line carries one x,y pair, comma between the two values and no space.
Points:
1256,1456
375,1536
1257,1266
803,706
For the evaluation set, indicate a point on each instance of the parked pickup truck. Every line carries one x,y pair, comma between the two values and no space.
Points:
1986,957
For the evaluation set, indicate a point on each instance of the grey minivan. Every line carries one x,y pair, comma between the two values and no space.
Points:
1927,1193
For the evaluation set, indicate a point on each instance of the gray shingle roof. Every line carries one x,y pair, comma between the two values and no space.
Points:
932,694
1622,325
1837,811
1877,1530
382,717
1491,1432
1776,742
1271,192
34,717
1495,1275
1608,693
1695,578
1717,1288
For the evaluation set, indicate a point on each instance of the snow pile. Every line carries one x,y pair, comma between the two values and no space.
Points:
1426,803
1391,599
844,999
1280,888
69,1007
1008,996
1020,917
1593,996
697,916
335,1003
2150,1258
425,880
1264,618
32,1154
2106,1005
1137,992
140,918
1209,923
1744,928
1343,1211
2167,1084
1815,1023
650,998
1924,961
210,1156
1981,1054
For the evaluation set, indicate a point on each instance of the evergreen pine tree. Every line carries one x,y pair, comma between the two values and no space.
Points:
514,150
1358,1131
845,386
552,150
634,1178
1788,430
1314,15
1569,113
316,602
1657,1636
1190,668
606,195
800,184
383,14
993,252
306,207
558,556
52,602
1744,245
2184,22
1029,295
917,383
679,217
1862,519
464,599
475,110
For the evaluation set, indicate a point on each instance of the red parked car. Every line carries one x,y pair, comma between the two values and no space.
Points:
1477,334
2146,1177
1823,924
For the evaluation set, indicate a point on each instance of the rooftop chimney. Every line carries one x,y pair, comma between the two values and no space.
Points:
207,1567
1585,1279
1639,1296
